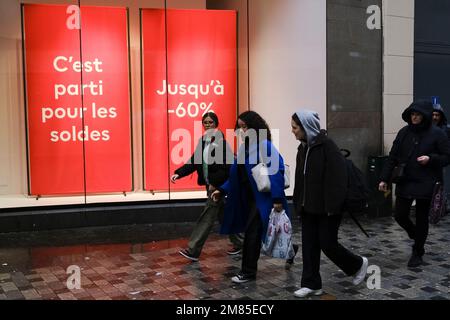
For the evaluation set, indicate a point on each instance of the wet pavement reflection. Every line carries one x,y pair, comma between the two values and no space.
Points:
154,269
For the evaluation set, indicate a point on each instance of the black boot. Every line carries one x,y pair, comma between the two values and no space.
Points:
415,260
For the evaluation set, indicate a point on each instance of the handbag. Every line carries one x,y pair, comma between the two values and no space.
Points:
260,173
278,239
398,173
438,207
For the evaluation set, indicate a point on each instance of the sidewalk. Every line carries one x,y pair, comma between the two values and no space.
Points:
156,271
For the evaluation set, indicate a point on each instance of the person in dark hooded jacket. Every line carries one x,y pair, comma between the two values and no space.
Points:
425,150
319,194
439,119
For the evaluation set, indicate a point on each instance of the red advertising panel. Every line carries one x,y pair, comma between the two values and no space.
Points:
199,75
77,96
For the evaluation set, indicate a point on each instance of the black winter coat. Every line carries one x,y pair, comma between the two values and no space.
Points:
420,180
413,141
446,129
218,171
322,187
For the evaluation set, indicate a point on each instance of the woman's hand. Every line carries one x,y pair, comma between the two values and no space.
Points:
174,177
216,195
278,207
423,160
383,186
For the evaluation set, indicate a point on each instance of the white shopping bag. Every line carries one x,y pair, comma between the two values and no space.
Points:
278,240
260,174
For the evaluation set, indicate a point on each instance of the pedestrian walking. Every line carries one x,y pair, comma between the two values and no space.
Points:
440,119
319,194
215,161
421,150
247,209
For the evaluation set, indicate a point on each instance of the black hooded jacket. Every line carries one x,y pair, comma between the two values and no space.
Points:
443,123
413,141
320,188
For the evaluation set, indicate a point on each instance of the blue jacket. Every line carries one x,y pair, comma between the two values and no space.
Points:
236,204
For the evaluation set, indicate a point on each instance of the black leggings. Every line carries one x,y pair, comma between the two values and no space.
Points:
419,231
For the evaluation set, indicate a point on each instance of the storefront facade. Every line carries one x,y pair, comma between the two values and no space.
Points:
92,104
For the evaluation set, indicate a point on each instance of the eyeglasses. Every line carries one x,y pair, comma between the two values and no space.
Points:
208,122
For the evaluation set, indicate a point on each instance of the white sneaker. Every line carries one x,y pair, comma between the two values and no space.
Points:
361,274
304,292
242,278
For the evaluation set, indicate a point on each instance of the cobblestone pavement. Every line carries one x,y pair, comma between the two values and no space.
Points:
156,271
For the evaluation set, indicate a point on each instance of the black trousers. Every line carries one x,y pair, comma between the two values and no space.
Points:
320,233
252,241
419,231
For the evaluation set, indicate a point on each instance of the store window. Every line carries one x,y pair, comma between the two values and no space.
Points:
101,101
189,61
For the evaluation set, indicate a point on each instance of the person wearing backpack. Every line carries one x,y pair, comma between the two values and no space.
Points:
319,194
422,150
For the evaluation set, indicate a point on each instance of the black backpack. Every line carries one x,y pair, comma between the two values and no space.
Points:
356,200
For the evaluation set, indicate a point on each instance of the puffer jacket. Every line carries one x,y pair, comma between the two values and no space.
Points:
413,141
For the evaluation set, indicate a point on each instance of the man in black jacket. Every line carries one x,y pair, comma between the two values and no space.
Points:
212,160
439,119
423,150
